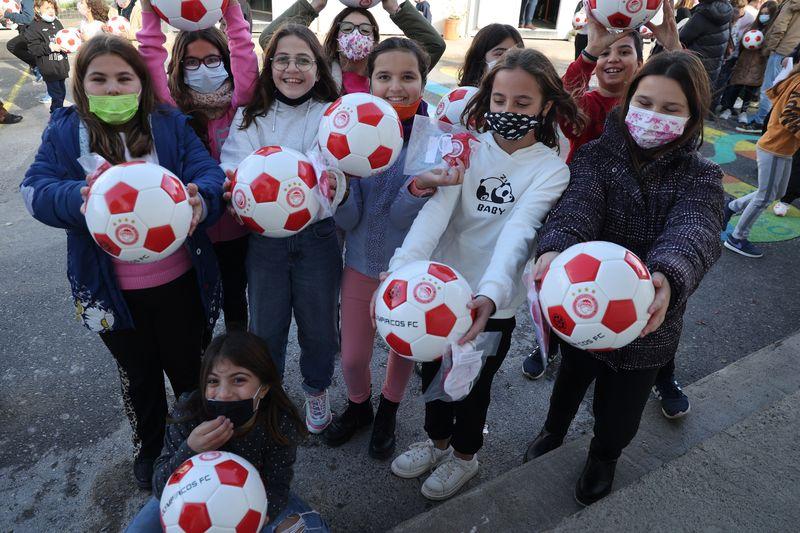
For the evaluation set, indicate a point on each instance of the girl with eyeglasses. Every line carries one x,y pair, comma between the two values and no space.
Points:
353,34
297,275
208,77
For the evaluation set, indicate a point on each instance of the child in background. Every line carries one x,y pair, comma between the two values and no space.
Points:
376,214
208,81
50,60
239,407
515,109
297,275
774,152
487,47
131,10
95,15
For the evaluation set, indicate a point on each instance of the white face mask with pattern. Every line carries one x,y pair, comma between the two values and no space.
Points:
650,129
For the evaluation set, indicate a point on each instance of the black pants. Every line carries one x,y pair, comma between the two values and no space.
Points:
619,399
718,86
732,92
666,374
793,189
58,91
462,421
581,41
231,257
170,337
18,46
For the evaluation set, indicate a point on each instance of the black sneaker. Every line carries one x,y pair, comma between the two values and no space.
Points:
751,127
533,367
143,472
743,247
727,214
10,118
674,403
344,426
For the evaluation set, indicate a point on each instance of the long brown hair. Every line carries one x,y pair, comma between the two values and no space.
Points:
324,90
536,64
175,78
688,71
104,138
488,37
331,44
772,7
98,9
248,351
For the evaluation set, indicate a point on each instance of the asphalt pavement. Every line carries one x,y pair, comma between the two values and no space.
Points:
65,453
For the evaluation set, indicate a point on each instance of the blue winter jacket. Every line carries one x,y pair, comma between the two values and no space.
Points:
51,191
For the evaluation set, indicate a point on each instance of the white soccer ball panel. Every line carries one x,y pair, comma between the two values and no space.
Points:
566,255
429,348
154,207
270,216
617,280
227,506
171,513
390,130
203,490
181,220
554,286
174,529
96,213
355,165
462,326
256,495
363,139
210,18
604,251
630,334
171,9
643,298
458,294
594,336
409,321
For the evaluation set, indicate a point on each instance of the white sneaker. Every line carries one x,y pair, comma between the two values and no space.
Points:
743,118
780,209
420,458
449,477
318,412
725,115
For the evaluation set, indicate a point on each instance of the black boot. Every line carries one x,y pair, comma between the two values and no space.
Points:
344,426
381,445
595,481
143,472
543,443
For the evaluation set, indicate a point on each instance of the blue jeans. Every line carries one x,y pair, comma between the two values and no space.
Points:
58,91
300,274
147,520
529,7
771,72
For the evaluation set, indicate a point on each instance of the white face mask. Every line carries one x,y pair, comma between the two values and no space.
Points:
48,18
205,80
490,64
650,129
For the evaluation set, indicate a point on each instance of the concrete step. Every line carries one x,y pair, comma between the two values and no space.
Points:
538,495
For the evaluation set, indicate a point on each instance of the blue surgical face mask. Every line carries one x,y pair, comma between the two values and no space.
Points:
205,80
763,19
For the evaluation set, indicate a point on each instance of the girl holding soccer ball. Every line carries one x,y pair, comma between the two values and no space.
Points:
642,185
354,33
153,317
375,214
485,229
297,275
209,80
239,407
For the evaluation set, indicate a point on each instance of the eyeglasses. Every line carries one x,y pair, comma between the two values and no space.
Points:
302,63
348,27
193,63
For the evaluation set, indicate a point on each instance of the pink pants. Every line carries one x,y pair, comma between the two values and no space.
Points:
358,337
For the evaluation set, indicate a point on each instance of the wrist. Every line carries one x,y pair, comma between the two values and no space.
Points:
419,190
590,55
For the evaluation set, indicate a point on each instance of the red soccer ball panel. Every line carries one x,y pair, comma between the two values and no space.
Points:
398,345
380,157
105,242
369,114
265,188
173,188
636,264
194,518
439,321
121,198
267,150
560,320
159,238
179,472
442,272
231,473
193,10
395,293
297,220
251,522
305,171
251,224
582,268
619,315
338,145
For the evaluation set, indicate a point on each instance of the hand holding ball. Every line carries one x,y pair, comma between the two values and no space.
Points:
623,14
189,15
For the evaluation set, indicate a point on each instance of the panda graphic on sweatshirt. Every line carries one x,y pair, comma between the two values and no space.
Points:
496,190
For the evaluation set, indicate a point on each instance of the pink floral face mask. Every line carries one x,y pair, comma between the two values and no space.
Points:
650,129
354,45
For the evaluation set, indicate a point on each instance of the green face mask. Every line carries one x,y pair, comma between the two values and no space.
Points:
116,109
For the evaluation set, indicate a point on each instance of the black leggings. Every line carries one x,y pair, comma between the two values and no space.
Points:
231,257
793,189
619,399
462,421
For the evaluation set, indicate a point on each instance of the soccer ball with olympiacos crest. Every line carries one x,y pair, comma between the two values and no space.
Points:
595,295
421,308
214,492
138,212
190,15
360,134
623,14
452,104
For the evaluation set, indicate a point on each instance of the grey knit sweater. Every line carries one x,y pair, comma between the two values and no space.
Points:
669,213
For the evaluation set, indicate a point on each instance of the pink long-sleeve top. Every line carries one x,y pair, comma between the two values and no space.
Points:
244,67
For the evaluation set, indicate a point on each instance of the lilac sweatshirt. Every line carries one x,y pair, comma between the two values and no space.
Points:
244,67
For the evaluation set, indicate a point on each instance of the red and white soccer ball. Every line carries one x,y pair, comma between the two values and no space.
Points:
69,40
452,105
138,212
595,295
366,4
753,39
190,15
119,25
646,32
274,191
360,134
623,14
579,20
422,308
9,5
214,492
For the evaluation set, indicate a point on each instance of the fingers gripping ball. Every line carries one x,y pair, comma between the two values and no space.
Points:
366,4
274,192
69,40
421,308
214,491
138,212
190,15
595,296
753,39
119,25
452,104
623,14
360,134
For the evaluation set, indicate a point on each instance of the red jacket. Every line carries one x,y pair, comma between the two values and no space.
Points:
592,103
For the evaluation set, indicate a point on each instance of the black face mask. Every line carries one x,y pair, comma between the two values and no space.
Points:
512,126
238,411
279,96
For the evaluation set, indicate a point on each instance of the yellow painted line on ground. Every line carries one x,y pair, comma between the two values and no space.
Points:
15,89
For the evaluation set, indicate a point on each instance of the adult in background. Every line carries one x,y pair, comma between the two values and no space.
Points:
132,11
707,33
526,12
18,46
781,39
6,117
